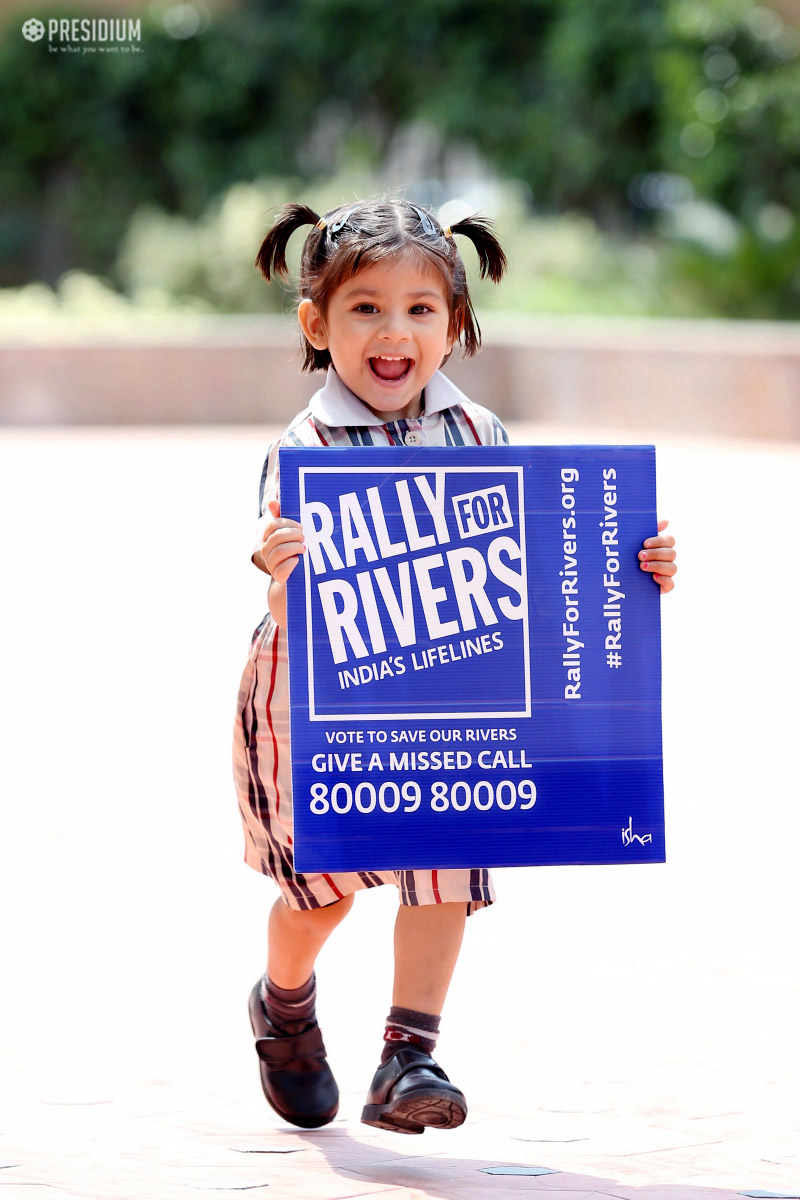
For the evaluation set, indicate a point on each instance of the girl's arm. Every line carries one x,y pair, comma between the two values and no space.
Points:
658,558
281,545
276,601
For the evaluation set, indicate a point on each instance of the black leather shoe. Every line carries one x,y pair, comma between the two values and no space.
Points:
295,1075
410,1093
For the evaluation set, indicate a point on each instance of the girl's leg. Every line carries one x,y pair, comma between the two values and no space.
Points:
427,941
410,1091
295,1075
296,938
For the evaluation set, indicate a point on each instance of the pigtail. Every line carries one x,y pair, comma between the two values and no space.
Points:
493,261
470,332
271,257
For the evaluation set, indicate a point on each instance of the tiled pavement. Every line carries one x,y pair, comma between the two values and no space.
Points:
632,1033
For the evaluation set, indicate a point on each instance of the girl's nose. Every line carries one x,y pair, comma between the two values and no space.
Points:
395,327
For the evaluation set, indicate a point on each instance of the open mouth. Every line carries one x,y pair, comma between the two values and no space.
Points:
390,368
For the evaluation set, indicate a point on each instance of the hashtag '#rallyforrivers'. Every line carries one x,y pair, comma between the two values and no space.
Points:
614,659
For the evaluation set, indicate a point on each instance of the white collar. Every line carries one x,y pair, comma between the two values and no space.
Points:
334,404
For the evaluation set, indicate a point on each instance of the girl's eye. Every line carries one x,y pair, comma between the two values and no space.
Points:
420,308
365,307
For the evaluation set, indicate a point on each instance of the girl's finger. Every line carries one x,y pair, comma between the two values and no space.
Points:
277,554
282,538
662,553
666,585
661,526
652,542
274,507
654,567
284,569
285,533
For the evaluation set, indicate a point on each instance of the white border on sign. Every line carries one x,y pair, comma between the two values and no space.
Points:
410,716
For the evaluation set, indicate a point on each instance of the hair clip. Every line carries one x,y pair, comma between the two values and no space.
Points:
447,232
321,223
425,220
342,221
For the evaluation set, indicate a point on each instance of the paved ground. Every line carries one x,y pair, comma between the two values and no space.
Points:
632,1032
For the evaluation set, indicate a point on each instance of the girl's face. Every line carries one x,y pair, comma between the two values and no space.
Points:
387,333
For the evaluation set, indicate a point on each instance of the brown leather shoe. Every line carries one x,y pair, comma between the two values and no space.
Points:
410,1093
295,1075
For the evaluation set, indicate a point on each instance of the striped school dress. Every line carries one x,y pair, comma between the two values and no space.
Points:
261,763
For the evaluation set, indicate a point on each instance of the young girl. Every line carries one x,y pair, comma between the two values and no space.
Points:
383,301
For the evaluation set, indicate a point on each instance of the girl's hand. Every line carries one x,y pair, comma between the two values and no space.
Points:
281,544
658,558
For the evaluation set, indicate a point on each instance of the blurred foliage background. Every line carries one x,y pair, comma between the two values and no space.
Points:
639,156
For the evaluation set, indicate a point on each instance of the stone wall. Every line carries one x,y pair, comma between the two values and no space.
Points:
739,379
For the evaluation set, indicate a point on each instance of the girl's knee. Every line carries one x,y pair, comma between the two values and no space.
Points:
327,916
337,911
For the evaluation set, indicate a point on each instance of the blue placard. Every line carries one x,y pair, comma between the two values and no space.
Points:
474,657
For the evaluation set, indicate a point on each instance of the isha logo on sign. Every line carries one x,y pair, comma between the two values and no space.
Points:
403,620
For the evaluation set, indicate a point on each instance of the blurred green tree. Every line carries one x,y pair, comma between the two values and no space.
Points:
584,103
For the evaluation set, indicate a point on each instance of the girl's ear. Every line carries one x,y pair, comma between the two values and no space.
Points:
312,324
454,335
452,341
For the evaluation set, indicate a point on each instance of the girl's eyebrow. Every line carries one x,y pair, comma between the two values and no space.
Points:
373,292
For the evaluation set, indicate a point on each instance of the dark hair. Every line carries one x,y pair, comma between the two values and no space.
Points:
353,237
